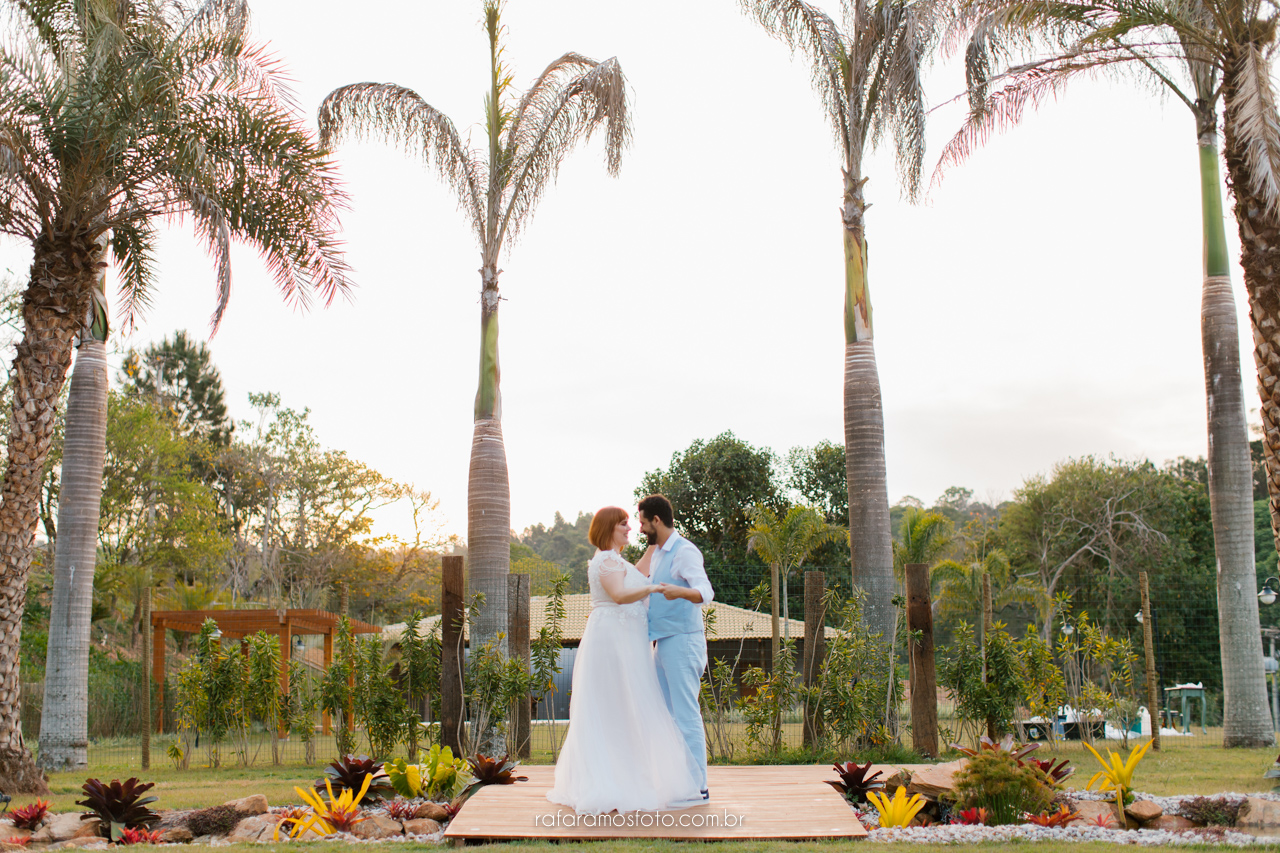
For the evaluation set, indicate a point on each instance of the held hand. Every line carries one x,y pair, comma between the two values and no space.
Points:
671,593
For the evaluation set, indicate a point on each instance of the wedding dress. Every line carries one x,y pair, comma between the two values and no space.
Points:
623,751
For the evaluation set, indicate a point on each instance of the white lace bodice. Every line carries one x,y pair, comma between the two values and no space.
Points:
607,563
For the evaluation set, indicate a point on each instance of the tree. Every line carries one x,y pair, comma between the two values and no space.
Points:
710,485
181,374
868,77
114,115
925,537
1223,49
785,544
498,189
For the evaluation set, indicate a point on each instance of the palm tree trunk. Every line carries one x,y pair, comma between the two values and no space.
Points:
64,724
53,310
1246,719
489,496
773,587
870,539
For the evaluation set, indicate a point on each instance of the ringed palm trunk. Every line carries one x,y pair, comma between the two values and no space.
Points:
870,537
489,497
64,724
1246,718
54,304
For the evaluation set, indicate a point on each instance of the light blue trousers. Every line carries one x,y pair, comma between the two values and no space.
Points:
681,658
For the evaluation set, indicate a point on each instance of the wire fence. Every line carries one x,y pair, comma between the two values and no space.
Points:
1186,652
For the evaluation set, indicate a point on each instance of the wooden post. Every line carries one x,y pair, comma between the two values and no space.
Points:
518,648
815,649
1149,646
286,655
146,679
326,722
924,682
987,621
344,599
157,673
453,583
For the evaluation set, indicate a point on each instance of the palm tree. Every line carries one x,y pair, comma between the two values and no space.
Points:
785,544
959,586
925,537
868,78
497,188
114,116
1222,48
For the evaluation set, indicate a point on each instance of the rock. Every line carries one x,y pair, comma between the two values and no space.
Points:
936,780
1143,811
7,847
377,827
431,811
176,835
421,826
901,779
1089,811
61,827
8,831
81,841
254,828
1172,823
1257,814
252,805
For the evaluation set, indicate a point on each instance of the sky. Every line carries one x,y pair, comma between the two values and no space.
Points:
1041,303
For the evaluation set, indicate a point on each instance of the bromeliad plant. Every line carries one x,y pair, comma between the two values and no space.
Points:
1061,817
118,806
977,816
352,772
854,782
897,811
1117,775
140,836
492,771
340,814
31,815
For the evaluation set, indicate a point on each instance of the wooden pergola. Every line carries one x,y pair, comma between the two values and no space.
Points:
238,624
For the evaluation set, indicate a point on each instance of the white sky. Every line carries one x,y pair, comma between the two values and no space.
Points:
1043,303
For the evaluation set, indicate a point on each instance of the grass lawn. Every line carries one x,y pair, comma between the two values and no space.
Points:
1192,765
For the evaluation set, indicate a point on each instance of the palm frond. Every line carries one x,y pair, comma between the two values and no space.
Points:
1254,124
811,31
133,246
552,123
365,110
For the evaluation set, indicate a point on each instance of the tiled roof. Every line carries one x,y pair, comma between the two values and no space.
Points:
731,623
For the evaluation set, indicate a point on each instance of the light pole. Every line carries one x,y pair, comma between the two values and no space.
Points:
1267,597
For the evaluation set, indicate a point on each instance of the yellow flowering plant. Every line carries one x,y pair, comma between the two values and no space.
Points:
338,815
899,811
1117,775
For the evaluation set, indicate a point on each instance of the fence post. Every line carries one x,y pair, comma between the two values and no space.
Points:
1149,646
453,585
157,672
924,682
987,622
815,650
518,647
146,679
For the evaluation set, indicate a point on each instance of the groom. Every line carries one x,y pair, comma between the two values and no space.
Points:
675,622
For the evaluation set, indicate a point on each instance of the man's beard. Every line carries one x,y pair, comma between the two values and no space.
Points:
649,538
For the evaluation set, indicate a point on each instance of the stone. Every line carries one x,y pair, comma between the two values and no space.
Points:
81,841
61,827
1089,811
8,831
255,804
421,826
176,835
9,847
1258,814
431,811
377,827
1143,811
936,780
254,828
1171,823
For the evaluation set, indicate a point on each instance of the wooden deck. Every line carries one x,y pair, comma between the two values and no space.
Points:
760,802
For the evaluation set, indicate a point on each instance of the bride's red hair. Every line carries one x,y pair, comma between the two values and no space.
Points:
602,524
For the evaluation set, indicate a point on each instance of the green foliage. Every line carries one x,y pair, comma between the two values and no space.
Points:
855,681
1044,687
437,775
995,698
771,694
994,779
210,698
419,676
380,707
299,709
335,688
179,375
1102,672
562,544
261,694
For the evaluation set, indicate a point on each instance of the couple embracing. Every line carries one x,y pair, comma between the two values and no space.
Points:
636,741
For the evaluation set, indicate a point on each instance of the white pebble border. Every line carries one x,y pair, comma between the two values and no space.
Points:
960,834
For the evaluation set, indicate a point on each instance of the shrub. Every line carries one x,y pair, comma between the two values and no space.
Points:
118,806
995,780
1212,811
215,820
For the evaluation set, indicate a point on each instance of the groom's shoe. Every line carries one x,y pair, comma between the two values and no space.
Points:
706,795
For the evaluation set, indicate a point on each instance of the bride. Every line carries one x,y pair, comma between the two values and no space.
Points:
623,751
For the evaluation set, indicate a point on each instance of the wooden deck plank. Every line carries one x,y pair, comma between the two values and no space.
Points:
759,802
